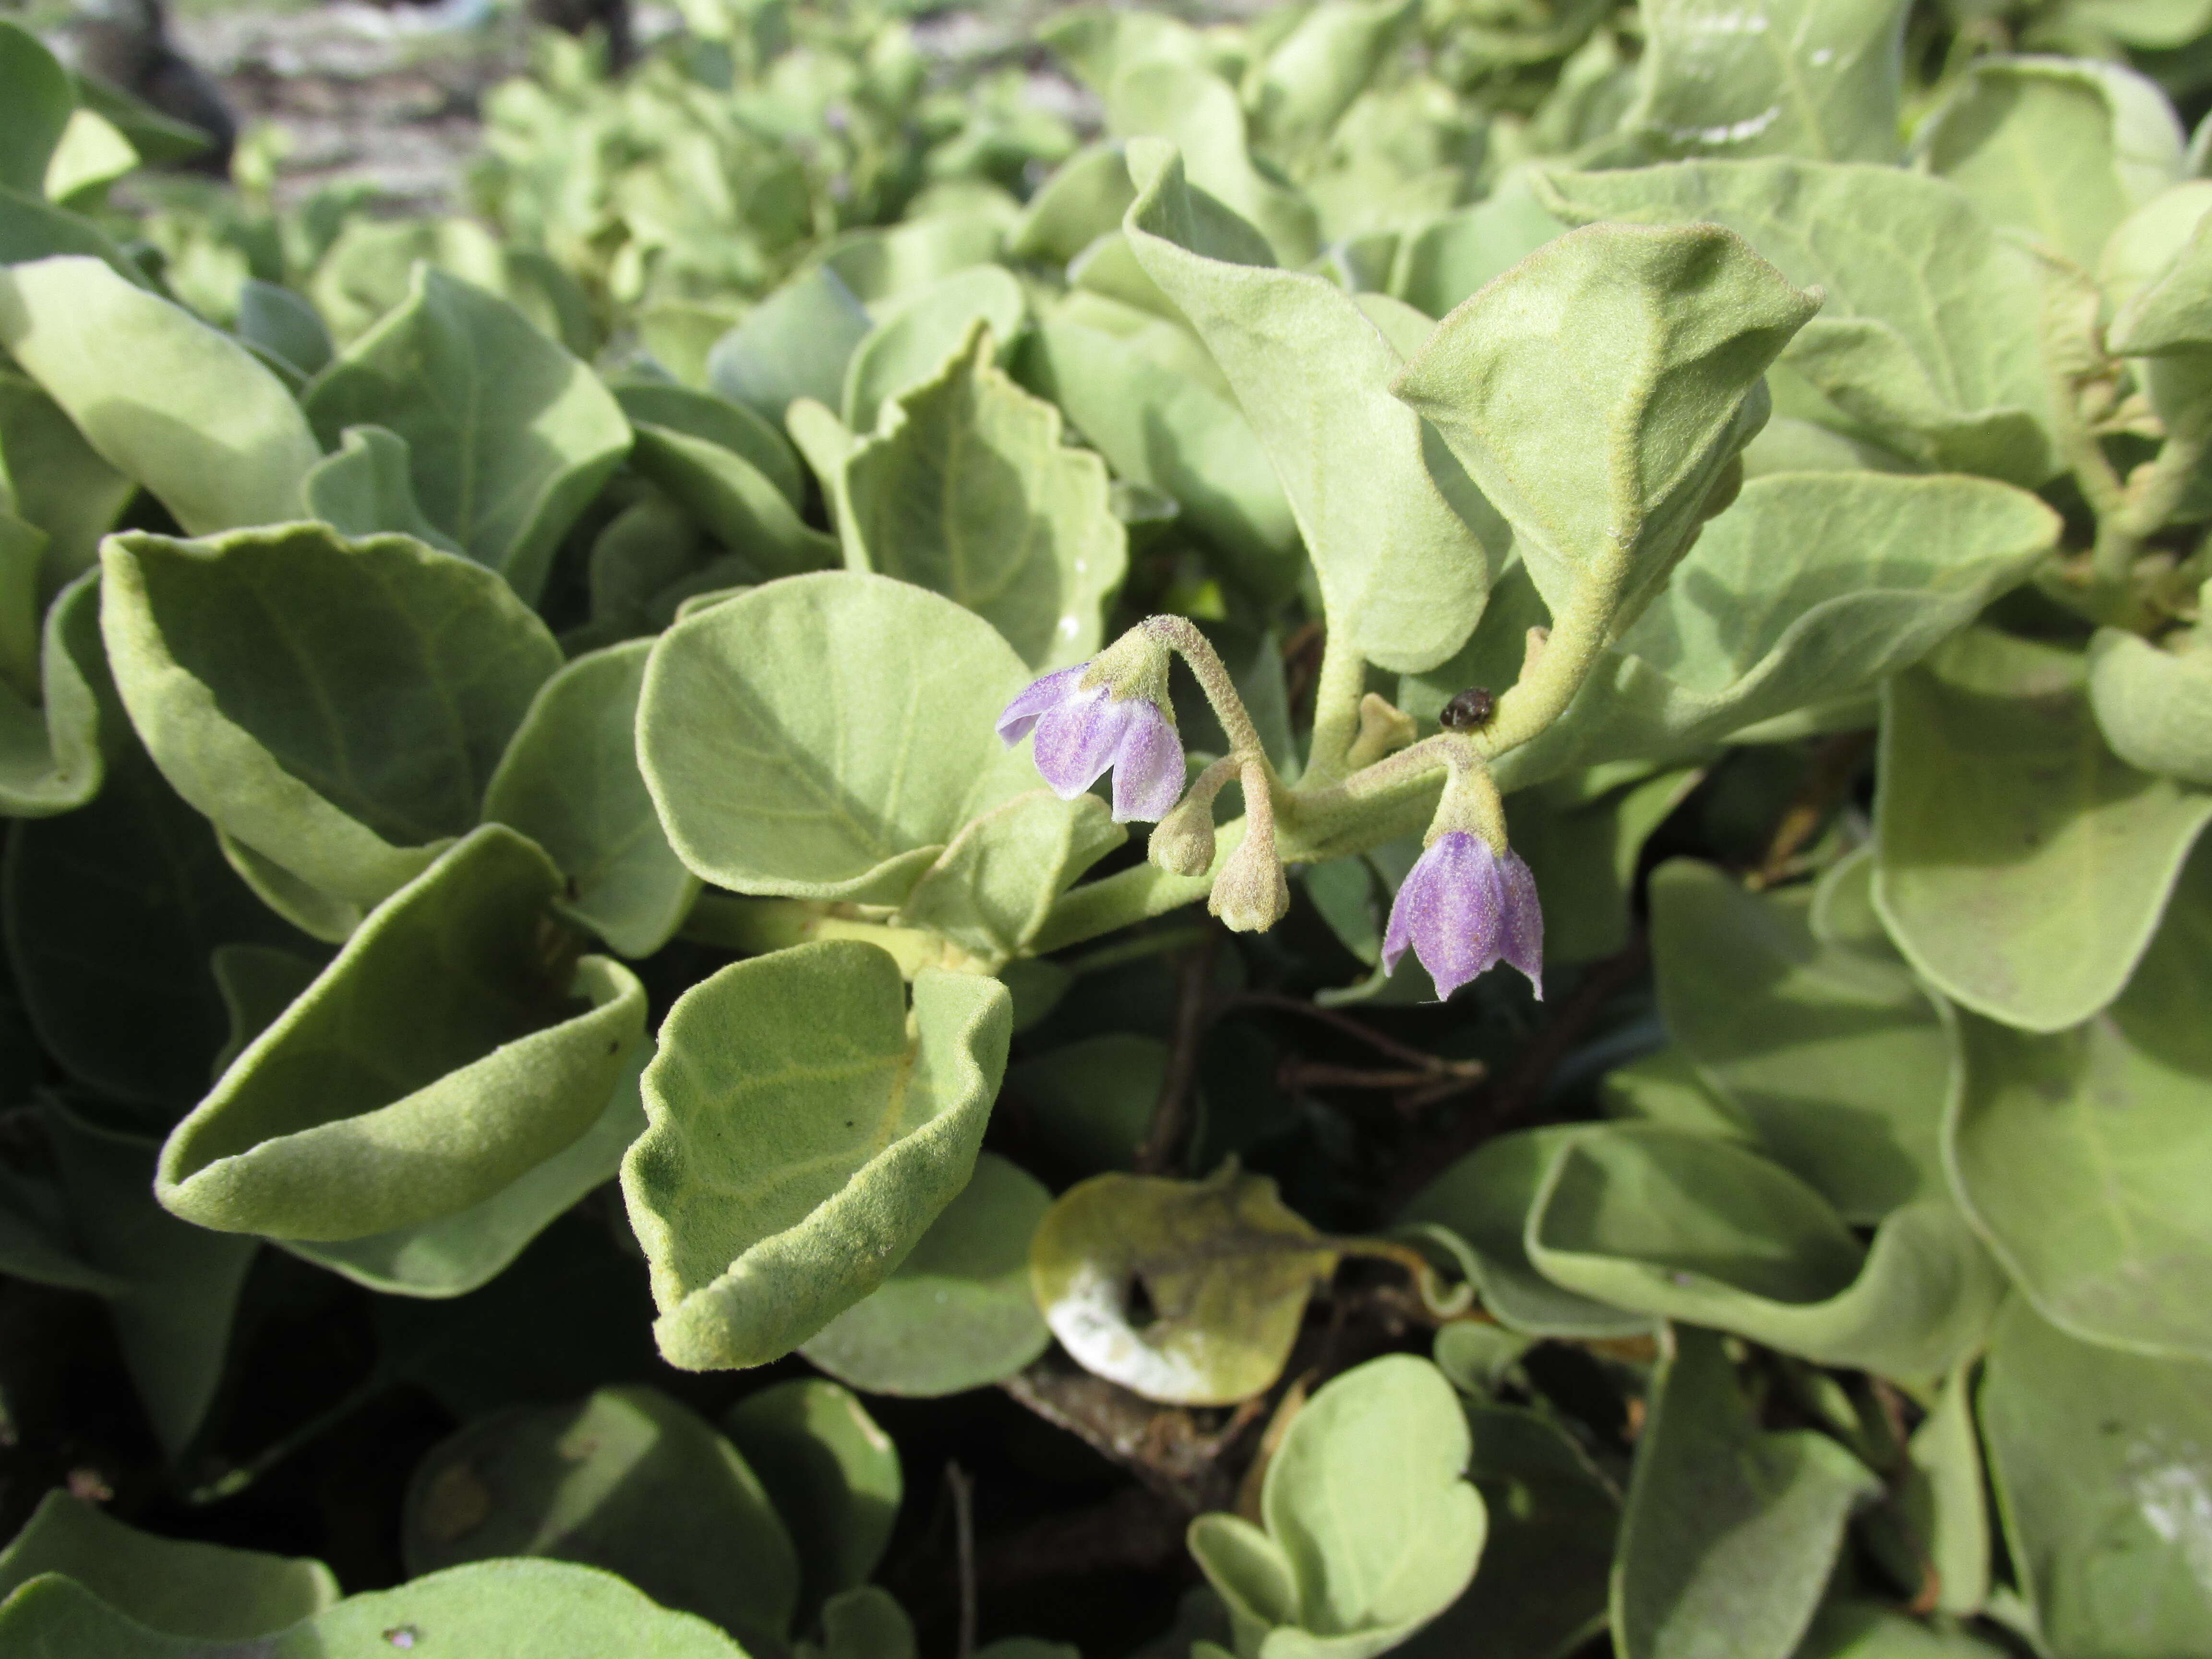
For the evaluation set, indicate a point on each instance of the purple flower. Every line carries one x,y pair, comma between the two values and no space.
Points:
1080,731
1463,909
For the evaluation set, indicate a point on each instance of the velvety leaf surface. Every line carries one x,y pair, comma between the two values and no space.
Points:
366,487
1816,78
1835,1055
968,490
2022,866
736,427
336,706
832,1474
163,398
801,1140
992,890
169,1584
1928,329
56,481
2154,706
1730,1532
2100,1460
2060,149
826,735
2084,1155
911,344
509,436
488,1610
1400,569
627,1480
1670,332
742,507
1685,1226
570,781
459,1252
957,1314
439,1056
52,753
795,344
1226,1268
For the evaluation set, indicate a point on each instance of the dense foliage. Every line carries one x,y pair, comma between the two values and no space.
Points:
559,854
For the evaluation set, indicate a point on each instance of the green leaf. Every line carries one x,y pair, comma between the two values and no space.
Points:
1729,1532
33,229
169,1584
1087,1105
1584,855
627,1480
53,754
459,1252
1140,388
366,487
1371,1523
1928,333
569,781
744,704
801,1140
1198,114
1319,67
438,1057
285,324
1484,1198
795,344
337,707
488,1610
1945,1497
2098,1458
741,505
2084,1154
2021,866
957,1314
1602,442
1688,1227
174,1321
1815,78
878,262
1802,597
735,426
58,482
1867,1630
111,912
508,435
910,345
1224,1267
2154,706
868,1623
1402,573
968,489
1540,1589
166,400
1456,253
1834,1057
1083,200
832,1474
41,98
2061,150
991,891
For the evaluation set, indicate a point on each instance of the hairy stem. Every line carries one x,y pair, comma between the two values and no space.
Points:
1336,709
1181,635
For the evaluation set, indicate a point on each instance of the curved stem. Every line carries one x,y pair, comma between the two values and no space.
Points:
1181,635
1336,709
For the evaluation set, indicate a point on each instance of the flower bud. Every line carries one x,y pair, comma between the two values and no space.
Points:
1182,842
1251,894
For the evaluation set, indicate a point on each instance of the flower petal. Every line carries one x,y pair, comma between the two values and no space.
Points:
1038,698
1148,768
1521,938
1077,741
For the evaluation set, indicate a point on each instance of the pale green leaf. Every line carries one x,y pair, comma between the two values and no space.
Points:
1729,1532
1928,333
40,100
1817,78
1598,391
283,323
53,754
832,1474
2021,867
795,344
366,486
337,707
745,703
1198,114
910,345
166,400
855,1135
1454,255
169,1584
2101,1460
742,507
990,891
2154,706
2085,1155
509,436
957,1314
58,482
438,1057
569,781
968,489
1402,573
627,1480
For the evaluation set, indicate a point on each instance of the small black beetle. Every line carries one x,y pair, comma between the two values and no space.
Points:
1470,711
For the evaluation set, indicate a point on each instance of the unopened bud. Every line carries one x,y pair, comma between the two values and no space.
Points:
1183,841
1251,894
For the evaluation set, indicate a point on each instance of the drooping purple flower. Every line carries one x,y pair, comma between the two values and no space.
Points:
1464,908
1080,731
